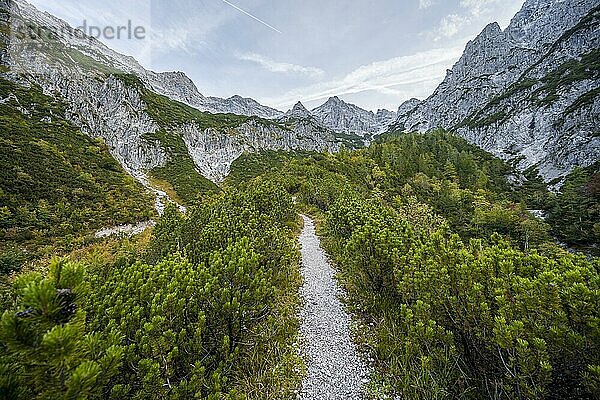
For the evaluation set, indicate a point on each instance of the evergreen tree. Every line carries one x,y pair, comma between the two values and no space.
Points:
47,351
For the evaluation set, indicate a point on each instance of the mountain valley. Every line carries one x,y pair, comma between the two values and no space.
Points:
160,243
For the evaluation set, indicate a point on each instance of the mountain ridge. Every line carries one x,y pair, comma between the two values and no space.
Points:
147,119
479,97
340,116
176,84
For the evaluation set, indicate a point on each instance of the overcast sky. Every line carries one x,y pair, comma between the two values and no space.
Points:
374,53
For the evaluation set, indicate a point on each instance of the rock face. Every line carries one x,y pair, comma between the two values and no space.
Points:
175,85
298,111
404,112
340,116
213,152
105,101
528,93
385,118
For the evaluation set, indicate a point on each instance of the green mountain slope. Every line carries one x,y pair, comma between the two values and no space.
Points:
56,184
457,290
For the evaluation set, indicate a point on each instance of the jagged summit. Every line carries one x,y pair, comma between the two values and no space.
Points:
300,106
177,85
334,100
385,118
506,94
408,105
490,30
298,111
340,116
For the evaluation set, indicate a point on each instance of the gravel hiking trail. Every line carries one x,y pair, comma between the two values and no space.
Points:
334,368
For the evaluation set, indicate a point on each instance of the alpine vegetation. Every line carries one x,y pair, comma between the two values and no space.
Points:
161,243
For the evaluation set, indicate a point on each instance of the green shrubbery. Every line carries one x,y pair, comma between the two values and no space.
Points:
497,311
207,311
56,183
458,181
575,211
455,319
460,292
46,350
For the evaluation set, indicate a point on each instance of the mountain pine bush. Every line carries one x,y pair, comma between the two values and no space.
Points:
48,352
460,292
461,319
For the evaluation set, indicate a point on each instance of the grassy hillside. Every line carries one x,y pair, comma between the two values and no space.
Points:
56,184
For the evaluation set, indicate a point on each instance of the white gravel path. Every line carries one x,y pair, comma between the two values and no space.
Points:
125,230
334,367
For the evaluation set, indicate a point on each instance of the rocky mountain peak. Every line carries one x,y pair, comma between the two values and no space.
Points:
340,116
383,113
492,29
385,117
512,92
298,111
335,103
178,86
407,106
244,106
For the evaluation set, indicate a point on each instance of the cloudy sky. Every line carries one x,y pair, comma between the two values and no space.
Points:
374,53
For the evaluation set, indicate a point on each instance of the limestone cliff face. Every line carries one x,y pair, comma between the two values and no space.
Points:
93,81
116,114
214,151
528,92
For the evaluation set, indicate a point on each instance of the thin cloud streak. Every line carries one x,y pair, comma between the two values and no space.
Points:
252,16
281,67
427,68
